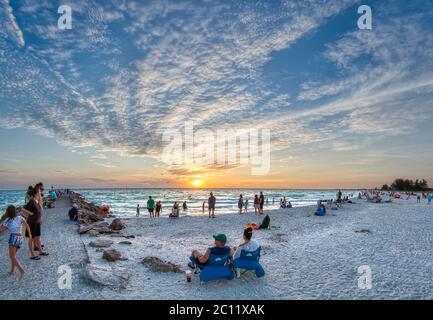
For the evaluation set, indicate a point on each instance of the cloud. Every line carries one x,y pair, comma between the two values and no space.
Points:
13,24
129,70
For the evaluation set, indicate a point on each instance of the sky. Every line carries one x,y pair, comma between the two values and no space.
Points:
88,106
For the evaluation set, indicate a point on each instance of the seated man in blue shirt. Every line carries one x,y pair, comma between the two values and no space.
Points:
220,249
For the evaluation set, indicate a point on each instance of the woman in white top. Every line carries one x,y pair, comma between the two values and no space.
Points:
249,245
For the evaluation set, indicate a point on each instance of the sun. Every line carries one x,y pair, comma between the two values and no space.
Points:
197,183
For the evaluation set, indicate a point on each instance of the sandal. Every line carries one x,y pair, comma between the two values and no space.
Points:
43,254
35,258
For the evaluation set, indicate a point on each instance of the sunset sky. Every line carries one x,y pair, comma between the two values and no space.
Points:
87,107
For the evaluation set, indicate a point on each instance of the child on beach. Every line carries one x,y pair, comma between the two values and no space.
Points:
138,211
13,223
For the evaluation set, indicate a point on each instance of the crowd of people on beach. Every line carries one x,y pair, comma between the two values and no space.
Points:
30,217
155,208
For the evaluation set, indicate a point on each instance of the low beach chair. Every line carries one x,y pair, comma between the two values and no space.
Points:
217,268
249,261
320,212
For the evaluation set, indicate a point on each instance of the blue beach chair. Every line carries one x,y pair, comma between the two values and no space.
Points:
249,261
320,212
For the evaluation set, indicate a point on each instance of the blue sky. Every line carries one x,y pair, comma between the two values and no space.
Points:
87,106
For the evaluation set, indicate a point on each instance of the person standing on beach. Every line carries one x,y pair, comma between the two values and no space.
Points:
203,205
13,223
211,204
256,204
151,206
262,202
158,209
246,205
273,201
339,195
184,206
240,204
34,221
138,211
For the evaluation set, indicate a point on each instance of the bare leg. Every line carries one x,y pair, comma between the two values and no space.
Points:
12,256
31,247
39,244
15,262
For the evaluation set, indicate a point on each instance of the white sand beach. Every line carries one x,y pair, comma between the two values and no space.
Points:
305,257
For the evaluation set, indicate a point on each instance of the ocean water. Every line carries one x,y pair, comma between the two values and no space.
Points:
124,201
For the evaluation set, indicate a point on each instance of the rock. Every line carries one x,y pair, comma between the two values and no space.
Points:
130,237
117,235
117,224
363,231
83,229
125,242
93,233
91,216
107,275
104,229
112,255
101,224
99,250
156,264
101,243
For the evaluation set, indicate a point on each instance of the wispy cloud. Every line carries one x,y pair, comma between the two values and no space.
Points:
128,70
13,24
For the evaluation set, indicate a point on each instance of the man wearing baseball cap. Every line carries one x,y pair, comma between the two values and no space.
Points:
199,260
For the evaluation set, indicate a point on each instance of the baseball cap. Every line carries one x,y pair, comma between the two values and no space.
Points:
220,237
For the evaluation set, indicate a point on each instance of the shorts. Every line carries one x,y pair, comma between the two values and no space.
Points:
261,206
73,217
35,228
212,207
15,240
150,210
256,205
